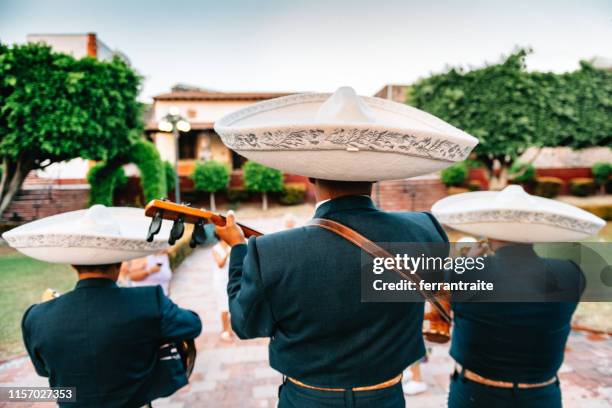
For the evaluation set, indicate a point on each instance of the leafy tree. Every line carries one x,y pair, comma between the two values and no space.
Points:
509,109
210,176
601,174
54,107
262,179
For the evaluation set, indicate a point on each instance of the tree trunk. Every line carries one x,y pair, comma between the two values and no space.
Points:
213,207
14,173
264,201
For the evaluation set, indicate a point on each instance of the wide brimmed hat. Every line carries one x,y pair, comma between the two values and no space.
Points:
98,235
513,215
343,136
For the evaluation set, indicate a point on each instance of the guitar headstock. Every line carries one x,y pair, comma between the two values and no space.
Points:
180,214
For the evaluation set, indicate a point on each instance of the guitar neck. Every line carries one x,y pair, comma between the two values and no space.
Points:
172,211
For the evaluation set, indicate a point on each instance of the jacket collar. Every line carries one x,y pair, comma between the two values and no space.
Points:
344,203
95,283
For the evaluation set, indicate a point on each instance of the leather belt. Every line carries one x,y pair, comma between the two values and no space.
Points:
380,386
472,376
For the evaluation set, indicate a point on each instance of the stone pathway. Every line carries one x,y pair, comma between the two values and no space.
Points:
237,374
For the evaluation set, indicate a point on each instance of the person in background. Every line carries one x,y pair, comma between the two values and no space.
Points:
99,338
221,252
151,270
508,345
414,383
289,221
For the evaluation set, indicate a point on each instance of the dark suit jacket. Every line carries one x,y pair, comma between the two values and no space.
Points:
301,288
518,332
103,340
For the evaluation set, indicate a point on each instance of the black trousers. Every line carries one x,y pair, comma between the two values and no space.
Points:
465,393
294,396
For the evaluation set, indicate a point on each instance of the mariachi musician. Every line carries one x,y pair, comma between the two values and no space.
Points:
114,345
301,287
509,344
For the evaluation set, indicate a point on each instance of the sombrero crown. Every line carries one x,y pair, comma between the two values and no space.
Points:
343,136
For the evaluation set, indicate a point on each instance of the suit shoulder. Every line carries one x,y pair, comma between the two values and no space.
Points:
279,237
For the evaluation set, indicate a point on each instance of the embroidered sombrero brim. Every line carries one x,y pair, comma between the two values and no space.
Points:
513,215
71,237
343,136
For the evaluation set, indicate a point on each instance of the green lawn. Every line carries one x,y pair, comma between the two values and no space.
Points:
22,282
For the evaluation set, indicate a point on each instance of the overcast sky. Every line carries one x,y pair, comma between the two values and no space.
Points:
318,45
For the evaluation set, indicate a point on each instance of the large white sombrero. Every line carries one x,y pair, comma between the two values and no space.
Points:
513,215
343,136
98,235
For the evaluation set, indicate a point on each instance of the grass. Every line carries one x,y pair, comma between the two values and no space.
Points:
22,282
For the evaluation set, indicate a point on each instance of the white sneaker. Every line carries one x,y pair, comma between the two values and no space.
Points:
414,387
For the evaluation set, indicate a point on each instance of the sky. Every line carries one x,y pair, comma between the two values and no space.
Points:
319,45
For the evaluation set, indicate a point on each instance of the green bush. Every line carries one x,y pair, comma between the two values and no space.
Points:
582,186
152,176
601,173
103,176
103,181
548,187
474,185
210,176
293,193
170,176
261,179
455,175
522,172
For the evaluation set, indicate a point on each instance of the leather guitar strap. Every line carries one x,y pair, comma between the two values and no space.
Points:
378,252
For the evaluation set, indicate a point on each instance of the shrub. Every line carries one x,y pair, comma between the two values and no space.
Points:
262,179
293,193
455,175
582,186
170,176
474,185
103,181
210,176
548,187
522,172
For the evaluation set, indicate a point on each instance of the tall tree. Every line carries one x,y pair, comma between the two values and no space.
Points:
510,109
262,179
54,107
210,176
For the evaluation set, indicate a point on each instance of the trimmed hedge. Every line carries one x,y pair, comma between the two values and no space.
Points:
293,193
170,176
582,186
548,187
106,180
103,176
455,175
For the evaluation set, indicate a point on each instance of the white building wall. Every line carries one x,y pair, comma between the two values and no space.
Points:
73,44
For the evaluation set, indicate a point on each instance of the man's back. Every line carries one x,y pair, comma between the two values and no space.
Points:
321,332
103,340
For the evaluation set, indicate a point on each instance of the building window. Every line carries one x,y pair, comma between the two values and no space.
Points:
187,146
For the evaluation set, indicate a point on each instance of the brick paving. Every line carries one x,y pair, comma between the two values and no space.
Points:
237,374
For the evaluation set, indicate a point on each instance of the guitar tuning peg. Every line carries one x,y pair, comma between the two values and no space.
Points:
178,228
155,225
198,236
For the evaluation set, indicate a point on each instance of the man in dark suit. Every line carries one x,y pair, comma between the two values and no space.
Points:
104,340
301,287
509,345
